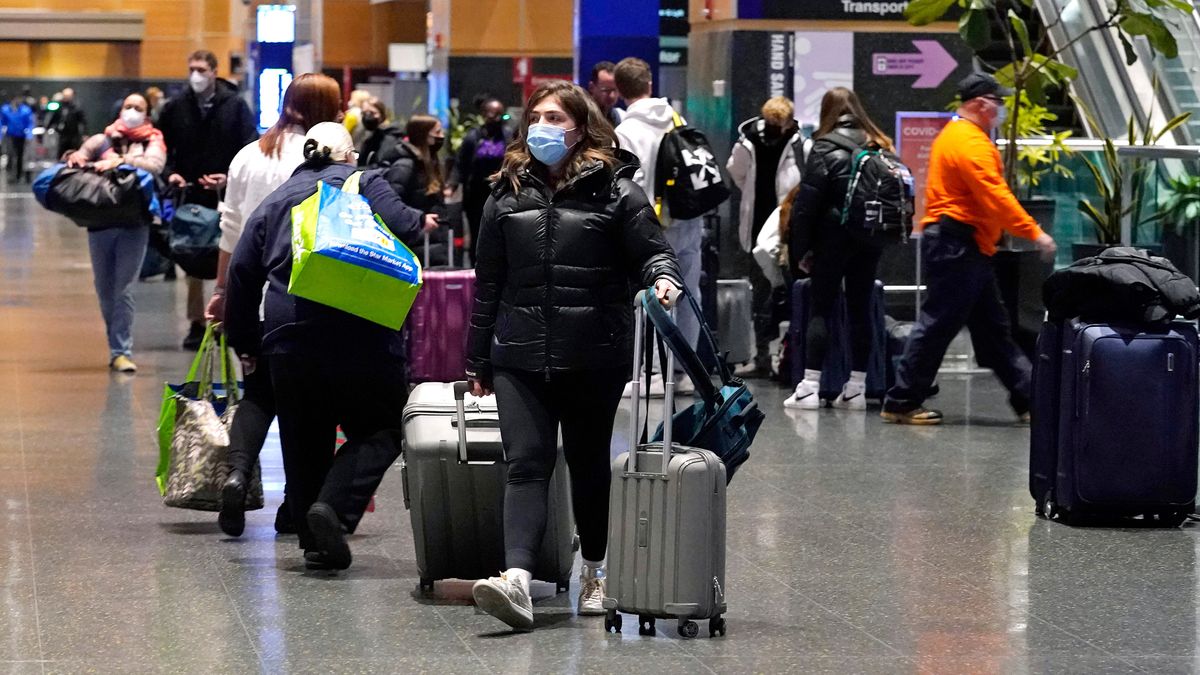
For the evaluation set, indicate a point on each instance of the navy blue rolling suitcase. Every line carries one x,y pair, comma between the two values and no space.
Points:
1116,422
836,369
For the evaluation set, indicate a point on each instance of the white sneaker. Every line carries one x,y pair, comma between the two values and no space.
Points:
592,587
658,388
853,397
506,600
806,397
684,385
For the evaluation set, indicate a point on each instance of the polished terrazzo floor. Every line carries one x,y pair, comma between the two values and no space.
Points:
853,547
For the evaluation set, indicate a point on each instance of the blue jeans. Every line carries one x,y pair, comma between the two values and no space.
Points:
116,261
962,292
685,237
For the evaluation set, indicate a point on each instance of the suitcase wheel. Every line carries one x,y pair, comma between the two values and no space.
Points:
1172,518
689,629
426,585
645,625
716,626
612,621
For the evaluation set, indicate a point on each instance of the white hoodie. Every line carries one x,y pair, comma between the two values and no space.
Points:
646,121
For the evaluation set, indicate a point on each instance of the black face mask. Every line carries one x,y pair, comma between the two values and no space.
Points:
370,122
436,147
494,126
772,132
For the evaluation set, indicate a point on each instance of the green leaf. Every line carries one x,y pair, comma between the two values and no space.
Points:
1155,30
1130,55
974,29
925,12
1175,122
1022,31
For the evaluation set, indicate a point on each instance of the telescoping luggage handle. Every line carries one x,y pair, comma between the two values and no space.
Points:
639,342
462,424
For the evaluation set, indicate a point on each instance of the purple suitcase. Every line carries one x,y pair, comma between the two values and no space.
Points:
438,324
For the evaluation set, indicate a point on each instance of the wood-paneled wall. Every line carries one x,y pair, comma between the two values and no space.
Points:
174,29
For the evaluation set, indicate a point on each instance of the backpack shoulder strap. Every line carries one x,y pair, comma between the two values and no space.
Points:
352,181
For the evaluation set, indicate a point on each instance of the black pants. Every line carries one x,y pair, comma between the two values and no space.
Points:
474,199
252,420
837,256
531,410
962,292
314,396
17,161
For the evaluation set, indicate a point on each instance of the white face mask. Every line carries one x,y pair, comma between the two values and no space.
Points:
133,117
198,82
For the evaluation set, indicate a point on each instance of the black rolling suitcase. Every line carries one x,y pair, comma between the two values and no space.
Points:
1116,422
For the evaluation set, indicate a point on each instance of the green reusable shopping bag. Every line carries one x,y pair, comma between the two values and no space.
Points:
344,257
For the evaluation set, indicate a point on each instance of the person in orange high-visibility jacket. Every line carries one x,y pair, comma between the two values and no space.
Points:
968,206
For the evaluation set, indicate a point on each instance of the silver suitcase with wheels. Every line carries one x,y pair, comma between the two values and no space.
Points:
453,478
666,536
735,319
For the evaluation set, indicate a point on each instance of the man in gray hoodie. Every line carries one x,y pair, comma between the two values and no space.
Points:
641,132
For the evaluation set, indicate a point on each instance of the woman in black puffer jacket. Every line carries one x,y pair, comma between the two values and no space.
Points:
818,244
565,238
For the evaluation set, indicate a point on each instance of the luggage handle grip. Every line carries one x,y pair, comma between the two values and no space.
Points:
461,424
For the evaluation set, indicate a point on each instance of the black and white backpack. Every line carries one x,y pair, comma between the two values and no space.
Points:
880,197
687,175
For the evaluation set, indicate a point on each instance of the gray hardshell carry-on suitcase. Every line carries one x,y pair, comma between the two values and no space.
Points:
735,319
453,478
666,536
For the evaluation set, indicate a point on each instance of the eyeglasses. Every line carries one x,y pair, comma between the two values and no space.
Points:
994,99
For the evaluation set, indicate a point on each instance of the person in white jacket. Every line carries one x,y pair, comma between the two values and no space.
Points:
641,132
765,164
257,170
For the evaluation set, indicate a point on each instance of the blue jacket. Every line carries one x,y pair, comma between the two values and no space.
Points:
16,122
263,255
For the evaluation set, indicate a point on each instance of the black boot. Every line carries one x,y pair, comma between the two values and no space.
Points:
232,517
195,336
328,538
283,518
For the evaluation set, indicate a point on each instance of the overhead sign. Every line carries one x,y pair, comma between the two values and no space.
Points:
931,63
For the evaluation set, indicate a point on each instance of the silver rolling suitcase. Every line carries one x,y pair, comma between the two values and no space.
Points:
453,478
735,319
666,536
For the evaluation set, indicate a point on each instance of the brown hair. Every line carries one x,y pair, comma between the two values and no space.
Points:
310,99
785,222
204,55
841,101
418,130
595,144
779,111
633,78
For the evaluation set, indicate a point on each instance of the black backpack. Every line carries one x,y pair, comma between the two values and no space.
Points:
879,200
686,174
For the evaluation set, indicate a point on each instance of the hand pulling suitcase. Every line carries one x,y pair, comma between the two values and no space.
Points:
1118,434
735,319
666,536
453,477
438,323
836,369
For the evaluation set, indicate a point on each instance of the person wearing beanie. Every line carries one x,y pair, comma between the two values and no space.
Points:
328,368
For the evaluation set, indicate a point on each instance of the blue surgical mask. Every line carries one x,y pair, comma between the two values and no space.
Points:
1001,116
547,143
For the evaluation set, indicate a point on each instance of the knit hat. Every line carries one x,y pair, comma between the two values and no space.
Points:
330,141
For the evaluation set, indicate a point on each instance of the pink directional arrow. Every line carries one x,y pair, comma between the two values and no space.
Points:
931,62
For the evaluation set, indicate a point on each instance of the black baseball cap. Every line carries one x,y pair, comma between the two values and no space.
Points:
981,84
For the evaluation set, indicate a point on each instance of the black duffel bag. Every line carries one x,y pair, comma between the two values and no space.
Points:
98,199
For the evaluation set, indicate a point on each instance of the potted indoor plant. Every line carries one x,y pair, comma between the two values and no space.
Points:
1111,174
1179,203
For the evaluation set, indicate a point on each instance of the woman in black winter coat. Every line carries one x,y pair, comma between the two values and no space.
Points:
413,169
818,244
565,239
328,368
